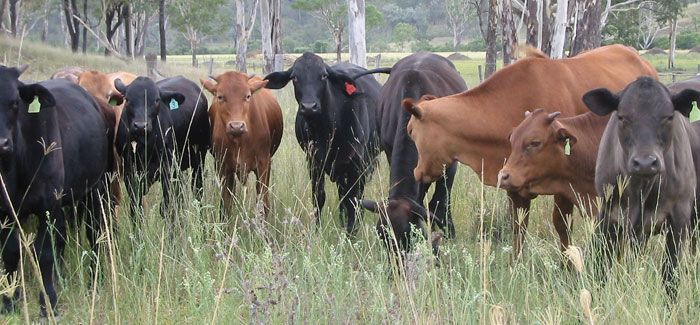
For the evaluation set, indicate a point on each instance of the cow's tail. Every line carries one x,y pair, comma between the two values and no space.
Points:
378,70
531,51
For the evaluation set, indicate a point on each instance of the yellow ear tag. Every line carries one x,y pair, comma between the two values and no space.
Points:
34,106
112,102
567,148
694,113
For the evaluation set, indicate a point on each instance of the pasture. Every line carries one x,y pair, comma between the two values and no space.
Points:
199,266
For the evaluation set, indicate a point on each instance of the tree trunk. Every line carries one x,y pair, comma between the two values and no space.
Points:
510,34
111,27
243,30
72,25
559,37
45,21
491,48
161,30
276,22
126,13
672,44
338,44
3,4
141,32
532,22
266,31
14,17
356,35
588,31
87,21
193,49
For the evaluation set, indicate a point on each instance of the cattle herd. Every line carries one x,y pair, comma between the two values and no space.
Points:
597,131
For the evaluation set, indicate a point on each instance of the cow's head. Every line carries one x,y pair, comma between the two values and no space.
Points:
143,102
428,136
398,216
232,94
99,86
15,97
536,144
312,80
643,114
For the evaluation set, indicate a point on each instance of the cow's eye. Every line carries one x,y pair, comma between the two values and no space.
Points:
247,97
220,98
620,118
669,118
535,144
324,76
295,79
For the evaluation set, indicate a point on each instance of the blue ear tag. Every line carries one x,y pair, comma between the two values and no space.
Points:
34,106
567,148
173,104
694,113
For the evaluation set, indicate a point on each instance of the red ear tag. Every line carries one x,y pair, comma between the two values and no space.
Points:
350,88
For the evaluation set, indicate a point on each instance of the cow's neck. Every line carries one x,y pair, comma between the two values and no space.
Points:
580,168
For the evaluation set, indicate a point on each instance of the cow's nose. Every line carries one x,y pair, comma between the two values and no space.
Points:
5,146
504,176
648,165
140,126
236,128
307,108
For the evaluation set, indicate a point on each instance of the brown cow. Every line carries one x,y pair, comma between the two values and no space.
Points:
471,127
70,73
246,123
539,163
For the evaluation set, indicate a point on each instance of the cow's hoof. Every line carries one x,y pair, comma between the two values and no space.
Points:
45,313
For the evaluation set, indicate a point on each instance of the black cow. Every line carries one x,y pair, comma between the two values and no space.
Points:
645,171
159,119
335,126
412,77
54,152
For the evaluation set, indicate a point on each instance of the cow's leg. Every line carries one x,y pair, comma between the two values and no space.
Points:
605,241
228,188
675,238
10,245
350,189
440,203
318,190
197,171
134,186
560,216
519,203
165,207
49,247
262,186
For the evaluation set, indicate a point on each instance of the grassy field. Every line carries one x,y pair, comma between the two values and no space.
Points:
199,266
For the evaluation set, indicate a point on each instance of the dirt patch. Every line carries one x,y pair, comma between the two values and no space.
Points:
457,56
655,51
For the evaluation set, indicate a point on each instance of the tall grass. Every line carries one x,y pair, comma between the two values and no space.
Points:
199,266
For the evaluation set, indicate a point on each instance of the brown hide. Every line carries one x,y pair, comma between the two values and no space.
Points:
247,128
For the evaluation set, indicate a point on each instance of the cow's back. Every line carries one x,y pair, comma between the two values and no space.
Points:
84,136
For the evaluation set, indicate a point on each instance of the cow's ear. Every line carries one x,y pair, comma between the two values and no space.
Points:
29,92
21,69
601,101
115,98
425,214
346,82
427,97
120,86
278,80
166,96
563,134
256,85
411,107
208,85
683,101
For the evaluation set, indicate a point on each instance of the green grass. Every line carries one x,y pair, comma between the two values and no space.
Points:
286,270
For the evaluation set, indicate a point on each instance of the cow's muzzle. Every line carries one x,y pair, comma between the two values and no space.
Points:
236,129
139,128
645,165
5,146
309,108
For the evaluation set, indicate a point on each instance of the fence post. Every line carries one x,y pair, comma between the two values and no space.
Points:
279,62
151,64
211,65
481,75
673,77
377,64
698,68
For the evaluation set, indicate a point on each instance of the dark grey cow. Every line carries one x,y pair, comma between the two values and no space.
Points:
645,171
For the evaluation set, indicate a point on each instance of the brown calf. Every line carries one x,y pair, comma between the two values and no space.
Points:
246,123
540,164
